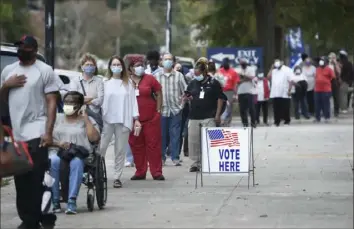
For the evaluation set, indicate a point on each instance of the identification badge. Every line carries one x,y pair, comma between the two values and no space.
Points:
201,95
137,92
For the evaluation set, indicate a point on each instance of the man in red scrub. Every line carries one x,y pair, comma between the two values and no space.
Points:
146,145
231,80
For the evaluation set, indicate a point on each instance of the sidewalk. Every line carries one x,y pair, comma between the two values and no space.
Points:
304,180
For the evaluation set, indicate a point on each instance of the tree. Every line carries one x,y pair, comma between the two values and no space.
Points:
83,26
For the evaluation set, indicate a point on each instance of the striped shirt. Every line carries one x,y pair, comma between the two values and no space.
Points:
173,87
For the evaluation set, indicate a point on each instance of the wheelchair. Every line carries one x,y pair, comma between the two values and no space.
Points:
94,178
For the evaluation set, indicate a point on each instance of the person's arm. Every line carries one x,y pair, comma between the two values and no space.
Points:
100,95
249,75
182,83
92,131
236,79
156,88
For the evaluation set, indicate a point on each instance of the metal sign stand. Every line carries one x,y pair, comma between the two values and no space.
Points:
251,170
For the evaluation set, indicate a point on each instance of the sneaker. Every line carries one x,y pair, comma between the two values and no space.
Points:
176,163
71,208
129,164
117,184
344,111
56,207
135,177
194,169
161,177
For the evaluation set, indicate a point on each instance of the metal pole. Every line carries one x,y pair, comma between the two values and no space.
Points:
49,32
119,4
168,26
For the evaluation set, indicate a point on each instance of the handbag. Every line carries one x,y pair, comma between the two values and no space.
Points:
96,116
15,158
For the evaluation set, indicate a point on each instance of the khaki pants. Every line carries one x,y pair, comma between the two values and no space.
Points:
194,136
343,95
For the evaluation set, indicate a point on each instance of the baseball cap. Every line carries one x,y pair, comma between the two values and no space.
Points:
343,52
27,40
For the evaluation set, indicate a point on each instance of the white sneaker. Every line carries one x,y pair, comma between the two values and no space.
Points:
344,111
128,164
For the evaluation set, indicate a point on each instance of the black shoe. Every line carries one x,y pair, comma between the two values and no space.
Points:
161,177
24,226
254,125
138,177
194,169
186,154
117,184
245,125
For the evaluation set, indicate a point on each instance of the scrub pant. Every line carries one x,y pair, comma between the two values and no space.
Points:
30,189
76,166
194,138
121,135
281,110
171,128
247,106
146,148
323,105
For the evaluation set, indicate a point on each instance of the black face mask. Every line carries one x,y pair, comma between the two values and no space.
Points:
226,66
25,56
153,67
243,65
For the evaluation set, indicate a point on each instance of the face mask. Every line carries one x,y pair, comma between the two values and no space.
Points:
243,65
308,63
226,66
321,63
199,78
277,64
167,64
116,69
25,56
69,109
89,70
139,71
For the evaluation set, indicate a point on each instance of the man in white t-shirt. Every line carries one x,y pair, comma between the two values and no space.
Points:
280,76
30,88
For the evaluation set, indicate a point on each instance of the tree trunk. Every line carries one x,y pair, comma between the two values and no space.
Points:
265,15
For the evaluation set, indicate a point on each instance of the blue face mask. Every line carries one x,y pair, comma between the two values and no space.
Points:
116,69
167,64
89,70
139,71
199,78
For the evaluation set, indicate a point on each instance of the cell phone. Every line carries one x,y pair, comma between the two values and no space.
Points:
187,93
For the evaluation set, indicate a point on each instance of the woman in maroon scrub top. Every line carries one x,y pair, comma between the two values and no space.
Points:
146,147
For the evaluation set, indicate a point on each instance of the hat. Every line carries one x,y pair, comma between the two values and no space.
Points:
343,52
28,41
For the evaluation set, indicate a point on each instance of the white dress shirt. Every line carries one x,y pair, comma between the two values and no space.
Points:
280,82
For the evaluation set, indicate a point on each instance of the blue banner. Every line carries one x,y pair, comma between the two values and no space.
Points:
296,45
254,55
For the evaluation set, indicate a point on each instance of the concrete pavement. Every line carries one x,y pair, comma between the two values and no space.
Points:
304,180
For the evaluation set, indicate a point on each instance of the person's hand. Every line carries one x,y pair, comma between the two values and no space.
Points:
46,140
137,128
217,119
16,81
289,93
65,145
87,100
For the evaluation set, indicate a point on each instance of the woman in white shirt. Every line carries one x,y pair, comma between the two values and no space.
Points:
119,113
310,72
299,92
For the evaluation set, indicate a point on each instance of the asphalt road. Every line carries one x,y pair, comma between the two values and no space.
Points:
304,179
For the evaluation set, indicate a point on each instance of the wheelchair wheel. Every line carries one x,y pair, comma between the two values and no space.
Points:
90,201
101,182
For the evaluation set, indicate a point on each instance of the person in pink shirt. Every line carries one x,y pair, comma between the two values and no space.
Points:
231,80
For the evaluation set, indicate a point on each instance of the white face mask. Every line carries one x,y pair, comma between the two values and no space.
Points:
321,63
277,64
69,109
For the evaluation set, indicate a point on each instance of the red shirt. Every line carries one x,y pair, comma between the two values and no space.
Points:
231,78
146,102
323,79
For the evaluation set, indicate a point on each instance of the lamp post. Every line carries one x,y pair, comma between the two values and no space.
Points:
49,32
168,37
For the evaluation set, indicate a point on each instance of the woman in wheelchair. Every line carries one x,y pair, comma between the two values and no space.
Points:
73,135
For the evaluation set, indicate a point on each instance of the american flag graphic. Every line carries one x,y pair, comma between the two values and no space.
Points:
223,138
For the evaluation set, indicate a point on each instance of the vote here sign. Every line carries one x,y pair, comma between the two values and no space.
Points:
225,150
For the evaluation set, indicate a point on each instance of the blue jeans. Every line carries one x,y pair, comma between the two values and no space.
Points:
322,104
129,156
171,126
75,177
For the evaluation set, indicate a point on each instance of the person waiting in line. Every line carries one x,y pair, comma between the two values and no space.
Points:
206,99
89,84
309,70
263,92
298,93
230,89
120,113
72,130
346,80
280,76
323,87
146,145
336,68
244,92
213,73
173,86
153,58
